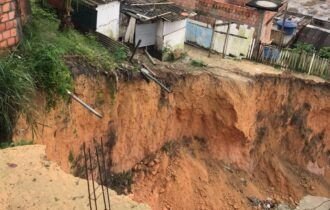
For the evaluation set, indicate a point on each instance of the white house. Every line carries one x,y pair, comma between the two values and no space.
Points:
158,25
98,15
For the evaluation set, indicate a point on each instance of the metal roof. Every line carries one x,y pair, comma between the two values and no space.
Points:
95,3
151,10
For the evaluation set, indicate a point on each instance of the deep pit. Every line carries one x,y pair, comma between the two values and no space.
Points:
209,144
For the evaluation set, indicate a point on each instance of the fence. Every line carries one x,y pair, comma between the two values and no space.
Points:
298,61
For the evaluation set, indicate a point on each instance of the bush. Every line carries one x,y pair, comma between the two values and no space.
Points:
325,52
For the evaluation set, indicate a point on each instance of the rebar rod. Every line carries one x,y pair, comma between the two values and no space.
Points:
105,173
86,170
91,166
100,174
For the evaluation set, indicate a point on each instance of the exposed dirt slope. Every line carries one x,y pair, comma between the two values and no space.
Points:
273,131
29,181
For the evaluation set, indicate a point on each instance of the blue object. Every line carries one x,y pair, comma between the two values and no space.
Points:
289,26
198,35
270,53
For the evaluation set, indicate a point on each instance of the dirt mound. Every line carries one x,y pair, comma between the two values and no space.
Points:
29,181
271,131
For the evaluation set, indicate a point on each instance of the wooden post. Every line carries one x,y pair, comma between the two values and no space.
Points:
311,64
259,32
226,42
283,23
212,37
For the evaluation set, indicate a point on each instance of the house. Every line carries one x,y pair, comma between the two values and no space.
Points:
13,14
243,24
309,30
316,33
98,15
159,26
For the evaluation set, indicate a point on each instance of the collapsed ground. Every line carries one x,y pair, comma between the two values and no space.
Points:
220,136
217,139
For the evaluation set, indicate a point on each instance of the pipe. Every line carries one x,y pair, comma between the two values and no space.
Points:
84,104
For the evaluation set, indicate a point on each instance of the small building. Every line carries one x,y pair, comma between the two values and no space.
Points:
159,26
98,15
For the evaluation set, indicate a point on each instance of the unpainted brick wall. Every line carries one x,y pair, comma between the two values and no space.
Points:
9,35
228,10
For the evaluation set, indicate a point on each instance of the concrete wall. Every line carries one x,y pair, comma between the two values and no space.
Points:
201,34
9,21
236,46
108,19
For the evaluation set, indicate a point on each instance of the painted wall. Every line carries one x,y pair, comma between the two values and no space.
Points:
174,34
236,46
201,34
107,22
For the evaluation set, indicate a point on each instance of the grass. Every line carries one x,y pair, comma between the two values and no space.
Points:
198,63
38,65
8,144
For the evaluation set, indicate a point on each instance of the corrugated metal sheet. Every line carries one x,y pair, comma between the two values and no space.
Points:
147,34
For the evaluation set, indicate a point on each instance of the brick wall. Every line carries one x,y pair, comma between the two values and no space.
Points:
9,35
228,10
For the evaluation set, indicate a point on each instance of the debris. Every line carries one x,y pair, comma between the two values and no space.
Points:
147,74
265,204
150,57
134,51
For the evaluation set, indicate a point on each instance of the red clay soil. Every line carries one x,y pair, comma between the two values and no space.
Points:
236,136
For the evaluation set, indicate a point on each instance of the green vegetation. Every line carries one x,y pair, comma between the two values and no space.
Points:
39,64
325,52
303,47
71,157
8,144
198,63
121,182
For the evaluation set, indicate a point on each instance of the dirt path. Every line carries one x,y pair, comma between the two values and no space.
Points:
217,65
29,181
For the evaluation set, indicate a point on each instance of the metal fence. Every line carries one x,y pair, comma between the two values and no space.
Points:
297,61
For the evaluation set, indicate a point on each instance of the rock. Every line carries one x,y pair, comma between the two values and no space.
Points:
162,190
254,201
244,182
151,164
154,172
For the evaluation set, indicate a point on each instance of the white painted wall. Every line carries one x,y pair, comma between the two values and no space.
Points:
174,34
236,46
108,19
